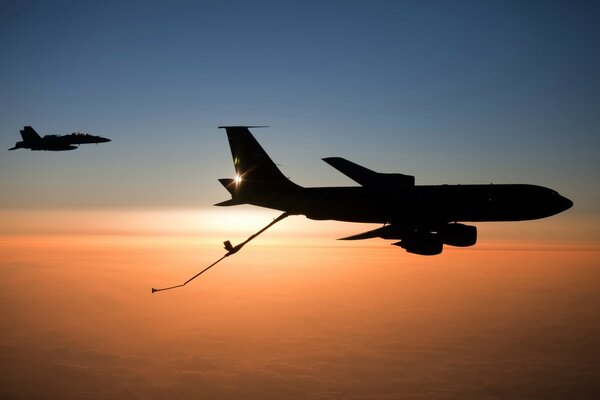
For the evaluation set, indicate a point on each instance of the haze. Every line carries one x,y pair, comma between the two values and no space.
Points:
458,92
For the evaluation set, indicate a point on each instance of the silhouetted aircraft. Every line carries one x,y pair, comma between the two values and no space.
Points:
33,141
422,218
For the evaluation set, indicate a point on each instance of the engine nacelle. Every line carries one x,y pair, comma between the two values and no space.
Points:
422,243
459,235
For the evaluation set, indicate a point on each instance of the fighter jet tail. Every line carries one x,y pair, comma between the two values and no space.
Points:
29,134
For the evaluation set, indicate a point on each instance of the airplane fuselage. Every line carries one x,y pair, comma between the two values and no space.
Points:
424,204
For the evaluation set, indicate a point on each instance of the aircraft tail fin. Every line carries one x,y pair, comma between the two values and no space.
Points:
253,166
29,134
251,162
258,180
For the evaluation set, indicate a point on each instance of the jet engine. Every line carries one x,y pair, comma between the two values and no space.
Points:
422,243
458,235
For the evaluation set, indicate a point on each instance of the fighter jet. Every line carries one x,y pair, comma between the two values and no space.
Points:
421,219
33,141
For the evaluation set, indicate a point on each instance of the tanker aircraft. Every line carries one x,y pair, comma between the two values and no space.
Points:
420,218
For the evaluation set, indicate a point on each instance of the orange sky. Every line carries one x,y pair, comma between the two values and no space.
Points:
295,318
218,224
295,314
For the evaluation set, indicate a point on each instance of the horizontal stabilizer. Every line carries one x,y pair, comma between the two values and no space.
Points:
367,177
227,203
229,184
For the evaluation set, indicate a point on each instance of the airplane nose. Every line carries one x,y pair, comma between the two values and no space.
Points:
565,203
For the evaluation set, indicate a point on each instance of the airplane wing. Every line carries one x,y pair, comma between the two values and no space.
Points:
422,239
29,134
391,231
412,239
375,233
366,177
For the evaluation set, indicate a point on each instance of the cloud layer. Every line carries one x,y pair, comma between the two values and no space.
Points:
79,322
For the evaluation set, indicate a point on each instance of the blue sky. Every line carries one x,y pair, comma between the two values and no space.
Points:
451,92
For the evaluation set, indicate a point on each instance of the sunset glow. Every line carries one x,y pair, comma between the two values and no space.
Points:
305,319
452,93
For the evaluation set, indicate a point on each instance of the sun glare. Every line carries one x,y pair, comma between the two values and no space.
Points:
237,179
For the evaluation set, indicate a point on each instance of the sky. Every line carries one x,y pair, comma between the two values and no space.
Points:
450,92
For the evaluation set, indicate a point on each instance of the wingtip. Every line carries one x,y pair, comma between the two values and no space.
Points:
352,237
227,203
243,126
334,161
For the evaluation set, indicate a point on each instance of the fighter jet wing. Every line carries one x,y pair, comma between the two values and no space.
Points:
367,177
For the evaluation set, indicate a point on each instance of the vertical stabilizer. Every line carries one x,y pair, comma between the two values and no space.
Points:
252,164
29,134
258,180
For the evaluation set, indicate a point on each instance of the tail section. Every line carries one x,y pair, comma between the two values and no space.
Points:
29,134
230,185
252,164
258,180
